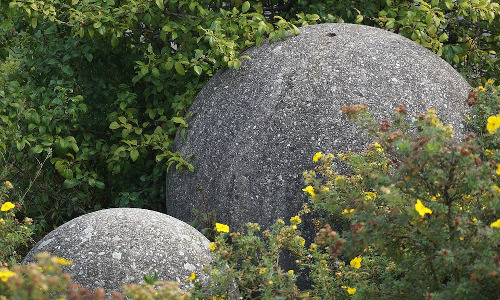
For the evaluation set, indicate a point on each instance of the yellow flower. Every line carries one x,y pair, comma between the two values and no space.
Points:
270,282
378,147
326,189
491,81
370,195
295,220
495,224
498,169
339,178
221,227
489,152
2,221
310,190
346,211
212,246
356,262
496,188
461,238
192,277
351,291
474,220
8,185
262,271
301,240
422,210
317,156
5,274
291,272
7,206
493,124
431,111
63,262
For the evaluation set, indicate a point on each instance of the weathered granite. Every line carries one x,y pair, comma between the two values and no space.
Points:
255,130
113,247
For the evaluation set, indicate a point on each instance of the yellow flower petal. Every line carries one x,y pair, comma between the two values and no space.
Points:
5,274
221,227
421,209
310,190
317,156
495,224
493,124
295,220
351,291
192,277
8,185
356,262
7,206
212,246
63,262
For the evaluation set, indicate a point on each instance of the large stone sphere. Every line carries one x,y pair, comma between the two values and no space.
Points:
113,247
254,131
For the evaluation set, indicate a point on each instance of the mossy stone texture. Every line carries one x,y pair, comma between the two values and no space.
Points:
254,131
113,247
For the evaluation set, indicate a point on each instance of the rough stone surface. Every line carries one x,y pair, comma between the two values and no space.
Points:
255,130
113,247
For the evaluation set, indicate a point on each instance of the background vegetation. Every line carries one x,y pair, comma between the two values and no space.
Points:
92,93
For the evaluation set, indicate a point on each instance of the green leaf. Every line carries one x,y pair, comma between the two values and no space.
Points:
245,7
37,149
160,4
134,154
34,22
114,40
443,37
179,68
449,4
197,70
168,65
282,33
74,2
359,19
155,72
114,125
237,64
179,120
67,70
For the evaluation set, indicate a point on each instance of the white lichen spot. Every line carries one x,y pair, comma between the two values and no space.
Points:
45,243
189,267
87,234
116,255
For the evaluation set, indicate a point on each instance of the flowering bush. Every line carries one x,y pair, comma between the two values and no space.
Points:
417,215
422,209
14,235
46,281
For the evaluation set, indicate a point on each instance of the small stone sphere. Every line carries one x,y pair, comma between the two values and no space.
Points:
113,247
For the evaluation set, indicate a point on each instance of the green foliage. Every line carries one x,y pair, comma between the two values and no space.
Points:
104,86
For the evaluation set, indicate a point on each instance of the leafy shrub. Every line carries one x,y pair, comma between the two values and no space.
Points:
104,86
418,215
